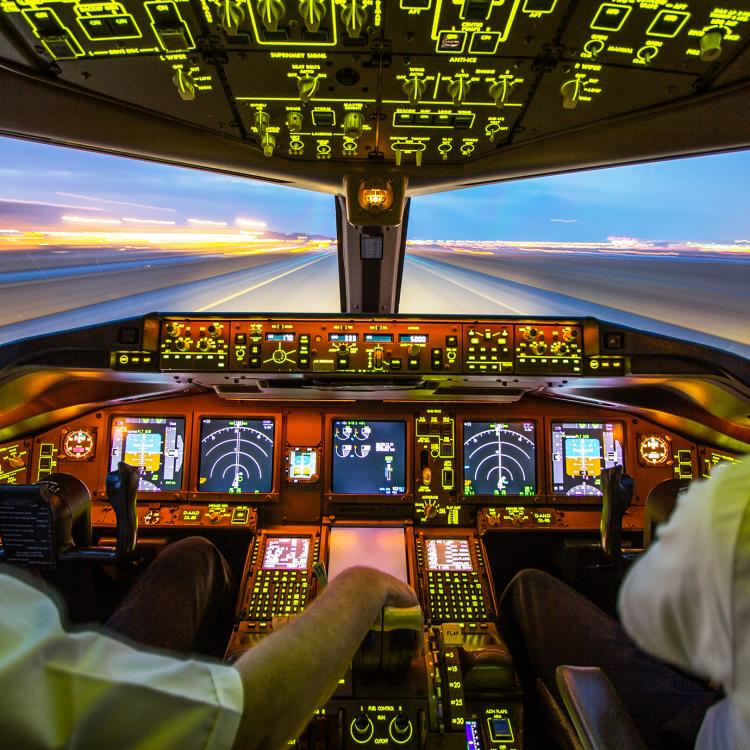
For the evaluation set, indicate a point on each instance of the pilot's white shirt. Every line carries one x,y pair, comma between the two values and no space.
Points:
88,690
687,600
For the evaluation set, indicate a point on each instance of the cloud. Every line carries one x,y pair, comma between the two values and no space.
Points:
564,221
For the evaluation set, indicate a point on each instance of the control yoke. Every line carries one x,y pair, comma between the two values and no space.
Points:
617,492
50,522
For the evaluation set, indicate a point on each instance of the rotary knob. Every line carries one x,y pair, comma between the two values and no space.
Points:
185,84
401,729
294,121
173,329
231,15
268,144
571,92
414,88
458,89
203,345
538,347
500,91
711,44
180,345
353,122
271,12
307,86
354,17
312,12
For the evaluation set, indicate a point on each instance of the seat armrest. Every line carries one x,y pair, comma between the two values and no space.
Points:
598,714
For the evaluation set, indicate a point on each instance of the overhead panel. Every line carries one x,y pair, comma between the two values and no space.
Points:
399,82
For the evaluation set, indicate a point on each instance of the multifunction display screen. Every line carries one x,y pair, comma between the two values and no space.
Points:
580,452
369,457
448,554
236,455
499,458
153,445
379,547
286,553
302,465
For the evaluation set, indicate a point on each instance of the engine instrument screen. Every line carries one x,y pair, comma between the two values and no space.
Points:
580,451
369,457
286,553
383,548
448,555
155,446
499,458
236,455
302,465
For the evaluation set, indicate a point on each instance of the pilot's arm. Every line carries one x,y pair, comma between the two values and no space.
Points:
677,600
89,690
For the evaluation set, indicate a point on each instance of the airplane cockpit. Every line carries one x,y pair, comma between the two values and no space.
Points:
449,450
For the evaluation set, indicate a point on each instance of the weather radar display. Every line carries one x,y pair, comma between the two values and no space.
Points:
499,458
236,456
369,457
580,452
155,446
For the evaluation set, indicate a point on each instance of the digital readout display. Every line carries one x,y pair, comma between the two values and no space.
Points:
236,455
580,452
448,555
378,338
413,338
302,465
286,553
369,457
153,445
279,337
500,458
343,338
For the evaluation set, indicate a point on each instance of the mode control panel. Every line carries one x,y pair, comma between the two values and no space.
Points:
408,346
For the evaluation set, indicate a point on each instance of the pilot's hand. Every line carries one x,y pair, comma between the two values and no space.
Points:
393,593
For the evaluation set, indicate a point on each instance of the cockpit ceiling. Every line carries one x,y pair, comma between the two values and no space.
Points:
448,92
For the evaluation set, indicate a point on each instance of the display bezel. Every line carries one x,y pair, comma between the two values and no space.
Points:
145,496
205,496
501,499
580,499
405,497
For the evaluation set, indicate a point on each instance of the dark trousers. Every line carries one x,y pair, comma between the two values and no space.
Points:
546,623
181,602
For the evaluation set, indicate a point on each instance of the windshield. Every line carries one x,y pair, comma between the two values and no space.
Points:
88,237
663,247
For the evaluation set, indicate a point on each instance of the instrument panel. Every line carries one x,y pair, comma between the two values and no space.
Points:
435,465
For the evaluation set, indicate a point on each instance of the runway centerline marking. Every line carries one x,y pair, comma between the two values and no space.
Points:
259,284
468,288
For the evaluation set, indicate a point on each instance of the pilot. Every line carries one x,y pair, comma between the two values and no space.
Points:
94,689
685,613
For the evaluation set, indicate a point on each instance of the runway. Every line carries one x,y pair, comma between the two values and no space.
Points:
696,299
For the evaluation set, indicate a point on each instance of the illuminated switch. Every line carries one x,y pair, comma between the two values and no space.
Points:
500,730
424,118
396,363
610,17
667,24
323,117
416,4
443,121
451,341
240,339
451,41
413,363
254,348
254,362
403,118
463,121
539,6
169,27
304,363
123,27
476,10
342,363
240,514
484,42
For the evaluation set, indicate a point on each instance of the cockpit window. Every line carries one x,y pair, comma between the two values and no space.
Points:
663,247
87,238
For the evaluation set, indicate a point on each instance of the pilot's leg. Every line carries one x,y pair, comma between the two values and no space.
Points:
179,600
547,623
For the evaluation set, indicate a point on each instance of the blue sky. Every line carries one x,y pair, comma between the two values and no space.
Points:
702,199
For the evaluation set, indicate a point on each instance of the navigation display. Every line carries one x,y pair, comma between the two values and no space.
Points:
236,456
286,553
369,457
499,458
448,555
580,451
379,547
155,446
